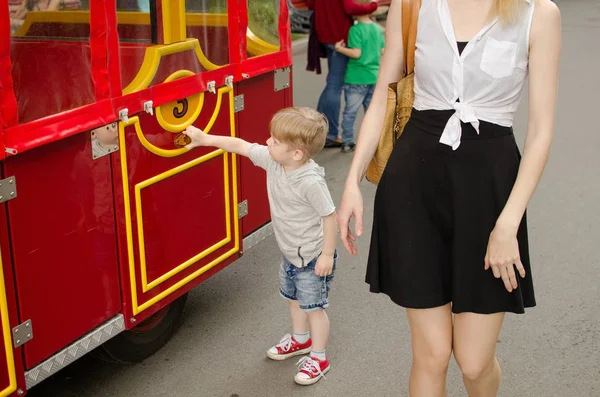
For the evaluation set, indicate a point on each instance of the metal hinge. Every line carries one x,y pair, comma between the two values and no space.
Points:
242,209
282,79
238,103
8,189
22,333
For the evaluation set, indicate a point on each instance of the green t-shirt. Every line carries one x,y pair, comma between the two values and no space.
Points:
369,38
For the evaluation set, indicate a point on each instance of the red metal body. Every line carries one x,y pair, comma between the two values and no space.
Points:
87,239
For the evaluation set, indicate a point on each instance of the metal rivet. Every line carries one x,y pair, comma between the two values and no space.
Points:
20,392
132,320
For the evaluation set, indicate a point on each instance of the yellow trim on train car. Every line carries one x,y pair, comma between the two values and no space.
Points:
7,334
140,223
174,21
208,19
189,117
128,226
128,223
152,59
257,46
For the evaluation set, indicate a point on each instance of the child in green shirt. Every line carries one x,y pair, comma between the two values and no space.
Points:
365,46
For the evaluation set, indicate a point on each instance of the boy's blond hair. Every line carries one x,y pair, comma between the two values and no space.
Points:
301,128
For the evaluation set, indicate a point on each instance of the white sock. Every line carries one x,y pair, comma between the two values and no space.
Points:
302,338
318,354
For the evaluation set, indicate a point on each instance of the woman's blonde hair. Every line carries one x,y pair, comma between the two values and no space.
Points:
509,11
301,128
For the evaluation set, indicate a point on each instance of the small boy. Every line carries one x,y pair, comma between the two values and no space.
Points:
305,225
365,46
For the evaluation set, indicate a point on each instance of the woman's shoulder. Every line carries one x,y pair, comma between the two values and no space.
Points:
546,11
546,18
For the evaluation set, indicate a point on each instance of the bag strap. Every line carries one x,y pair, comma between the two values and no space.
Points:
410,19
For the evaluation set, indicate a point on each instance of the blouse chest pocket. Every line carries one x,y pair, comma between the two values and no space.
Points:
498,59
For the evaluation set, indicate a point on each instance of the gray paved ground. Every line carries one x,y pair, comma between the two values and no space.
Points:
554,350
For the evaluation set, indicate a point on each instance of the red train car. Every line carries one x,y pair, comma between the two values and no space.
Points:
105,223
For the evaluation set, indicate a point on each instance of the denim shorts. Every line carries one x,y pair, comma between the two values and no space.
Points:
302,284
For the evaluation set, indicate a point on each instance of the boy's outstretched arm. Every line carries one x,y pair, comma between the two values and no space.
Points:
227,143
324,265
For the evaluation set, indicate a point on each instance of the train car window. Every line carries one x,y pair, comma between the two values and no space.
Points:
207,21
137,29
51,57
262,36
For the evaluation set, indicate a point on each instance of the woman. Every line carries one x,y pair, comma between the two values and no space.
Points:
449,224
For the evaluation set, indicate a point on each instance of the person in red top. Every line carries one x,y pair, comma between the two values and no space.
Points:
333,19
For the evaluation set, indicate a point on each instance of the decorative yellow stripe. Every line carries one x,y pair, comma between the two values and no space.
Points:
10,359
127,201
141,240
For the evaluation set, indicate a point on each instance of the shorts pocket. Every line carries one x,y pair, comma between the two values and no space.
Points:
498,59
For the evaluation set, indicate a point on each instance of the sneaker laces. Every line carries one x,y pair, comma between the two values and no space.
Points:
285,343
310,365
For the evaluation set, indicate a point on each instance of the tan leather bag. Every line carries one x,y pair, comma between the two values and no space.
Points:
400,94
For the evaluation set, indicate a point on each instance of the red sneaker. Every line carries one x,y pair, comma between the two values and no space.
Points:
311,369
288,347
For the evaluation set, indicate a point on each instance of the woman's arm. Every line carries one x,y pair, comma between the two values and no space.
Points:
545,48
390,71
544,52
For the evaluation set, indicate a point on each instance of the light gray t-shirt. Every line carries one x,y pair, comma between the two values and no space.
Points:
299,199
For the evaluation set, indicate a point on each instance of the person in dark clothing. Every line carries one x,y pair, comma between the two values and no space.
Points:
333,19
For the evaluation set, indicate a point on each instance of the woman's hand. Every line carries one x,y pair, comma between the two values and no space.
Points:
352,205
503,255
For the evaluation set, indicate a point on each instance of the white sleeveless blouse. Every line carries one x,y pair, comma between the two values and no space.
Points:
485,82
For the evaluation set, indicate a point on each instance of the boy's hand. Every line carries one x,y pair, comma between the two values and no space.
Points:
340,44
324,266
197,136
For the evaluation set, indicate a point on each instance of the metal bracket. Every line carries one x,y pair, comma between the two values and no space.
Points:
8,189
282,79
124,115
238,103
211,87
242,209
149,108
22,333
229,81
10,150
